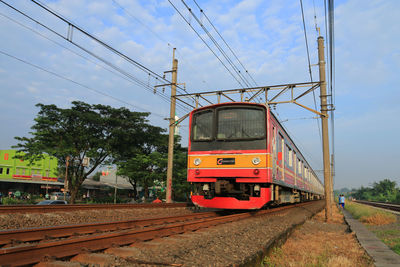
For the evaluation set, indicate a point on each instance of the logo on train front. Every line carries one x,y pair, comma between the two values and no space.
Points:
225,161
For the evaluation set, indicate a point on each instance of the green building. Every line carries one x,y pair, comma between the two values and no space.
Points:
34,177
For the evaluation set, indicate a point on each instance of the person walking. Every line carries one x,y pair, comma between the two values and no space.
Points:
341,201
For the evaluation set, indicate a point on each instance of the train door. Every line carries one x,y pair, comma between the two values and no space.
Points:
295,168
281,157
274,155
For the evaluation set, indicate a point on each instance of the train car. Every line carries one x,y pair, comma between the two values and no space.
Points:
240,157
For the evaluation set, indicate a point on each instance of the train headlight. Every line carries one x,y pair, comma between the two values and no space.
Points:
256,160
197,161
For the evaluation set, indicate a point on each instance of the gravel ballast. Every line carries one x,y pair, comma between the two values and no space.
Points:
235,243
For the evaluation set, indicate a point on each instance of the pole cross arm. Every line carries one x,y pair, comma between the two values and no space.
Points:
180,120
312,110
163,85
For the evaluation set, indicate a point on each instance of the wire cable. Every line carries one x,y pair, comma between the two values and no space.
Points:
309,65
77,83
222,38
155,34
136,80
205,42
105,45
227,58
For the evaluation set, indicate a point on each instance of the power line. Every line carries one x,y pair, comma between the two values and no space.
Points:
222,38
131,77
77,83
309,64
72,26
227,58
205,42
151,31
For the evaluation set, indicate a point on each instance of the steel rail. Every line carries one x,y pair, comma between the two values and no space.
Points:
387,206
31,254
72,207
38,234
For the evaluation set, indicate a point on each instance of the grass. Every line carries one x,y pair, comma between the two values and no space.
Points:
369,215
320,244
390,237
380,222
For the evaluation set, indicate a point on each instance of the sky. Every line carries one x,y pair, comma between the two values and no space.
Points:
37,66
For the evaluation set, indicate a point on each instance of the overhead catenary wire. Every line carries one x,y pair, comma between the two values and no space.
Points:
131,77
102,43
77,83
208,46
119,5
309,67
220,49
222,38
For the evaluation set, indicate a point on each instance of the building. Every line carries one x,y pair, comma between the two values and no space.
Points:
37,177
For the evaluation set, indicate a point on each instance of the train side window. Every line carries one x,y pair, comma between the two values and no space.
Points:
299,166
290,157
8,171
1,170
294,161
302,170
273,141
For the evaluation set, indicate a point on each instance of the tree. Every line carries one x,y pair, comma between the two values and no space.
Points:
102,133
96,176
180,186
384,190
148,167
143,169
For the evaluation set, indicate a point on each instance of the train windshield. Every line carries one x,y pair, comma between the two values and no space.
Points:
240,124
202,125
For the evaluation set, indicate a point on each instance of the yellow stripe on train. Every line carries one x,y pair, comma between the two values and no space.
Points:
229,161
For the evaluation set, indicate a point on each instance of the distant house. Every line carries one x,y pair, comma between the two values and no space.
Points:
35,177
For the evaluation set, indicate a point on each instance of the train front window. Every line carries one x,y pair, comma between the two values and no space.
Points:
203,125
240,124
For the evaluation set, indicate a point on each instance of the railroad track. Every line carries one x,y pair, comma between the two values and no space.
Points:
120,234
387,206
52,208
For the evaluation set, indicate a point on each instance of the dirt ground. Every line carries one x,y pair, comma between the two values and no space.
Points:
317,243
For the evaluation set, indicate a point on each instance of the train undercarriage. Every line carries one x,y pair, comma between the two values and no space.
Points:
266,193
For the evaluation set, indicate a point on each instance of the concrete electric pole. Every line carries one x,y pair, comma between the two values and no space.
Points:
325,133
171,128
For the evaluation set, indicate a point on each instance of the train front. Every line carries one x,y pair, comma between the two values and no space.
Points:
228,162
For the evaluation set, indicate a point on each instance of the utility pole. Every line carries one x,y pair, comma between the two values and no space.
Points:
66,177
171,128
325,133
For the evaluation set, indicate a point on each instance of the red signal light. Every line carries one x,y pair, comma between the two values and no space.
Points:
197,172
256,171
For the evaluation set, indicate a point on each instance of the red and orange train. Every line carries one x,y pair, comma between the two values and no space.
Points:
240,157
